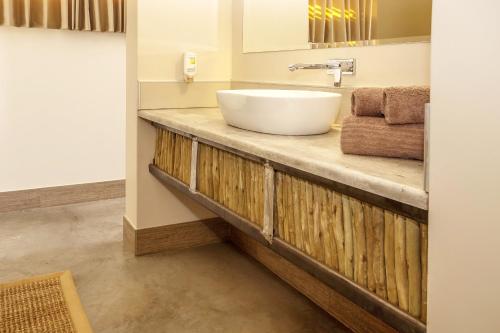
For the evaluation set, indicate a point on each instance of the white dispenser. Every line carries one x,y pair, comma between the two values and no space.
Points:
190,66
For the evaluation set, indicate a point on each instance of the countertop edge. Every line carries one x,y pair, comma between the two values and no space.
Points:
385,188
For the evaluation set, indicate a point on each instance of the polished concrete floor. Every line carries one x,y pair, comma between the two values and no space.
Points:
208,289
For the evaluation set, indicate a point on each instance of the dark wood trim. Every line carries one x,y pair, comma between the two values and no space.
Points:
364,299
344,310
415,213
174,236
228,216
60,195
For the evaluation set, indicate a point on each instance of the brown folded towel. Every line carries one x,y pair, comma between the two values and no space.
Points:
367,102
373,136
405,105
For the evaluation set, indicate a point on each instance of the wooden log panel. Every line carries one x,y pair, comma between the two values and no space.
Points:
377,249
309,219
378,252
233,181
389,254
401,262
348,239
173,154
296,212
339,231
318,238
414,267
303,218
423,260
359,237
323,227
330,228
289,211
370,247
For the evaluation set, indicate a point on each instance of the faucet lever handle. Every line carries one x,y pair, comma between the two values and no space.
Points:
348,66
335,70
339,67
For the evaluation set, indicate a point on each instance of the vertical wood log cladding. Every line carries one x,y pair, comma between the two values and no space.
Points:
173,154
375,248
233,181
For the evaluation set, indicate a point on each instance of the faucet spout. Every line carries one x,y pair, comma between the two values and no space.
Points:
294,67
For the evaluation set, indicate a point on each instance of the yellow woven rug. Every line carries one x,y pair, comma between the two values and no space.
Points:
47,303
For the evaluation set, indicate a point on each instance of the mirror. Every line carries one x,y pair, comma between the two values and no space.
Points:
280,25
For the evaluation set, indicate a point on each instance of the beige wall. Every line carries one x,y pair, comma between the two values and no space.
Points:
62,101
464,226
403,64
275,25
159,32
168,28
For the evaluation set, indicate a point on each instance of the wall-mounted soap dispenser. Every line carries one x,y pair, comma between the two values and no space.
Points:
190,66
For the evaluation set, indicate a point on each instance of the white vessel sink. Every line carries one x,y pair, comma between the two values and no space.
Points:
285,112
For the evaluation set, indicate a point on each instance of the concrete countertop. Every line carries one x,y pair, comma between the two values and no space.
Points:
397,179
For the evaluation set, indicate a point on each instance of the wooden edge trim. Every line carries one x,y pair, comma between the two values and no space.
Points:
175,236
348,313
80,321
366,300
224,213
415,213
60,195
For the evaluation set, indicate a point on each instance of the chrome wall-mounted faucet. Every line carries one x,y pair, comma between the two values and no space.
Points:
294,67
335,67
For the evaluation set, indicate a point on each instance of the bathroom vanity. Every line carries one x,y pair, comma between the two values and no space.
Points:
356,224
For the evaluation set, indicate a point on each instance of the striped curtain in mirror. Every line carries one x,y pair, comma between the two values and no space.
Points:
85,15
340,21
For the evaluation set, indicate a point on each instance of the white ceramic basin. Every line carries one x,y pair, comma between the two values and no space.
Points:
285,112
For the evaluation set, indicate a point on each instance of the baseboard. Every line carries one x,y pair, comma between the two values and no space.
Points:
60,195
351,315
174,236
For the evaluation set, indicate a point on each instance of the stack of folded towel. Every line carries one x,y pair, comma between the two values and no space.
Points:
386,122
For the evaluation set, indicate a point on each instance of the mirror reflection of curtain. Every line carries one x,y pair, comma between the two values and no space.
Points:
89,15
335,21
